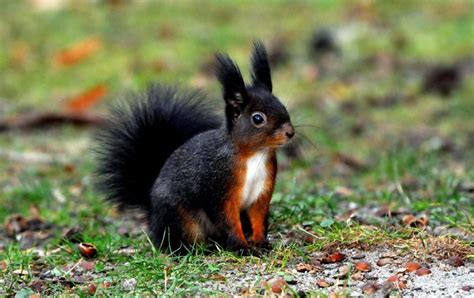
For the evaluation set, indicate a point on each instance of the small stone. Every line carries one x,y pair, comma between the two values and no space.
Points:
323,283
358,256
384,261
129,284
467,288
455,261
370,288
357,276
20,272
343,271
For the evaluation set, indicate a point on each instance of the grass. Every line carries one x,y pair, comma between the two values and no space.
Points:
414,155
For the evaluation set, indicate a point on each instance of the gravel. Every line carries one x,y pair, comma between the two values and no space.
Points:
443,281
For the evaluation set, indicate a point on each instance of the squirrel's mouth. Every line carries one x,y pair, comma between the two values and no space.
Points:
281,139
284,134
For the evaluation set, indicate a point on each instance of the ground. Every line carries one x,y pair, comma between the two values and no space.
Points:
374,196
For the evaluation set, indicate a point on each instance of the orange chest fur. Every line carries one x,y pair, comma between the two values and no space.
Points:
254,177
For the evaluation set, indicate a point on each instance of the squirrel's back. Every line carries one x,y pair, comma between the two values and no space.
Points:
141,134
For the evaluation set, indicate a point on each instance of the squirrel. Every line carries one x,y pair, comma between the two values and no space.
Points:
198,178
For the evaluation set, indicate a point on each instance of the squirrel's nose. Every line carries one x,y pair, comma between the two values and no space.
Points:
289,130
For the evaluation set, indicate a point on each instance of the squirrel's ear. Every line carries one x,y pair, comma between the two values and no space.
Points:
233,86
260,67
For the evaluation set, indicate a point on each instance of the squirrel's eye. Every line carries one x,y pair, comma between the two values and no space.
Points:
258,119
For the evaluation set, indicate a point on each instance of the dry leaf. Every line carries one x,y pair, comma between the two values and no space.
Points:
333,258
412,266
303,267
363,266
15,224
86,99
423,271
79,51
408,219
393,278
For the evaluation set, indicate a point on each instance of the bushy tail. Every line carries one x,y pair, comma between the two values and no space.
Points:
140,135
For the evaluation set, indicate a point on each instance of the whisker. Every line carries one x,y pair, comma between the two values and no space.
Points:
305,138
307,125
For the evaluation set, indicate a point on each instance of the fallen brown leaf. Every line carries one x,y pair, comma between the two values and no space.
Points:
408,219
79,51
333,258
412,266
15,224
303,267
423,271
363,266
392,278
86,99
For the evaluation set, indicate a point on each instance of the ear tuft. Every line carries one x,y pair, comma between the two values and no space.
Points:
261,74
229,76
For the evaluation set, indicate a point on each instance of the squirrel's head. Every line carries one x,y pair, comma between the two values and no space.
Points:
255,117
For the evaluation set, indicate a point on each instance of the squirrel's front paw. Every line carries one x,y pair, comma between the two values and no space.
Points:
239,247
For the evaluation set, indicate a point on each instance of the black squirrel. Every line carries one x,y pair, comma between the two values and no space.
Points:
197,177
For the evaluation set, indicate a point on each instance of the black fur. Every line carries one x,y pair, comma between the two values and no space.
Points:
261,73
140,135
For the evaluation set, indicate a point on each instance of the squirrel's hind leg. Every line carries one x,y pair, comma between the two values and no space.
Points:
166,229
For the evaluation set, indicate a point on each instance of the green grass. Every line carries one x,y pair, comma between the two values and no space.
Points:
400,146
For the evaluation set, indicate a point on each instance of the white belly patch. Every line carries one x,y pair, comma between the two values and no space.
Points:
255,178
